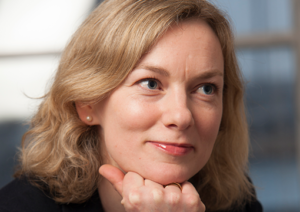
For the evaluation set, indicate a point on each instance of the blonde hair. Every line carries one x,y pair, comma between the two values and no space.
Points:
64,153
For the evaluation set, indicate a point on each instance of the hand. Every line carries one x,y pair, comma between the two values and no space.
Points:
140,194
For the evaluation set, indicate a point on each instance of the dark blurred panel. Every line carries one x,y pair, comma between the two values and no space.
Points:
267,58
270,76
270,100
11,133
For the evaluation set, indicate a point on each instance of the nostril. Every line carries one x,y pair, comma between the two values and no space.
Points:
172,125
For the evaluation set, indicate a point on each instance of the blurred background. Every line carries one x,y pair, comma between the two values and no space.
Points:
33,34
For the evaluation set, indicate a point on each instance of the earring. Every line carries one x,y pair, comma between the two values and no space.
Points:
89,118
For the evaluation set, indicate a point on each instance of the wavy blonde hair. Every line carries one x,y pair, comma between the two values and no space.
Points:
64,153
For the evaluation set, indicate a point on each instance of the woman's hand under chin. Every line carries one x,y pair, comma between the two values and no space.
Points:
140,194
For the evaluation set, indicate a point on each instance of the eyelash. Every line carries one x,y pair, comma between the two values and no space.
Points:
148,79
215,87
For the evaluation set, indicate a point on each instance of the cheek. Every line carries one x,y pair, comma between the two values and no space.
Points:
207,126
133,114
124,124
208,121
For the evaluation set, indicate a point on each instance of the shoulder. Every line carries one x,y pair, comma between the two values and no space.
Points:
253,206
92,205
250,206
20,195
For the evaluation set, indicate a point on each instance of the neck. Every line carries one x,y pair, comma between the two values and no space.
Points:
110,198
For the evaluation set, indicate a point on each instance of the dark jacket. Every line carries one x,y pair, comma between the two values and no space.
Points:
21,196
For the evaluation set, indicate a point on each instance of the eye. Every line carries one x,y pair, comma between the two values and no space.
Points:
207,89
151,84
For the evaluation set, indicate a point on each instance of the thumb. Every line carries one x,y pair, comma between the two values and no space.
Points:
114,175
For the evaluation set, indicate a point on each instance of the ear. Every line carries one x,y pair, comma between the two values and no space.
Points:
87,114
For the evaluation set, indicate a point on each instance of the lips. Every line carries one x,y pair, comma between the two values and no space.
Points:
173,148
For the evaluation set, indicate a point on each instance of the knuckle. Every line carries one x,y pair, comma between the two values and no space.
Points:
173,198
193,201
134,197
129,208
157,195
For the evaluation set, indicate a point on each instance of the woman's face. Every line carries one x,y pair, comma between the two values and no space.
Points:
162,122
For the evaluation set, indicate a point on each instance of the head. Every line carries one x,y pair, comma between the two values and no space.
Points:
163,119
118,38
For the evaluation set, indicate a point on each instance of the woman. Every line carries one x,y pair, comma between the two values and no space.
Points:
152,90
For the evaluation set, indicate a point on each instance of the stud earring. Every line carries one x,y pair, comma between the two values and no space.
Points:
89,118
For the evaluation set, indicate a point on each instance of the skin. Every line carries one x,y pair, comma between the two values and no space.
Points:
172,98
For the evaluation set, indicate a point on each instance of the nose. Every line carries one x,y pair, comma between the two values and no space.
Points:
176,113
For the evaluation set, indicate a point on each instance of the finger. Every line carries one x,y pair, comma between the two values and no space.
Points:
153,184
132,183
188,188
172,196
174,187
133,179
114,175
156,191
191,198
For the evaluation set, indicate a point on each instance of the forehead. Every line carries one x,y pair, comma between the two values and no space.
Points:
193,33
190,45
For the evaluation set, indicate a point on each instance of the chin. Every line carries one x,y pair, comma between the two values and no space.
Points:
166,177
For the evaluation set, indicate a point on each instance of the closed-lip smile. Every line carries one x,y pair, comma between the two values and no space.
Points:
173,148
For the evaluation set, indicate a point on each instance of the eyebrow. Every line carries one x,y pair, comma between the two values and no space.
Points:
210,74
164,72
158,70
